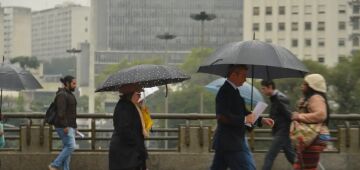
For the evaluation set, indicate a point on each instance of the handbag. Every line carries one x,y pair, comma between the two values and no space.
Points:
303,134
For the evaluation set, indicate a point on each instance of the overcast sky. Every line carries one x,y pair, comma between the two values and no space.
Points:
40,4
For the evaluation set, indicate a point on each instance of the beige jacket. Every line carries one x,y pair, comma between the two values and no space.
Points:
313,111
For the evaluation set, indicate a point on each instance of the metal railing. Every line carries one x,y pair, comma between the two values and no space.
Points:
97,137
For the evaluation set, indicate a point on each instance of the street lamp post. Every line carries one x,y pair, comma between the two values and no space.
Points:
73,53
202,16
166,36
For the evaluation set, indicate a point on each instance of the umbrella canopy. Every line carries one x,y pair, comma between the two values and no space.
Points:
15,78
245,90
264,60
147,75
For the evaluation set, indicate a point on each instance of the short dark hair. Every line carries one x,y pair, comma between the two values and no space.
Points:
268,83
233,67
67,79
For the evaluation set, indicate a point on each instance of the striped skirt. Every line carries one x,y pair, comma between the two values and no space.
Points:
309,158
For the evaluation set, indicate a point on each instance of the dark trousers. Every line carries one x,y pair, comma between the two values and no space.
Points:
235,160
278,143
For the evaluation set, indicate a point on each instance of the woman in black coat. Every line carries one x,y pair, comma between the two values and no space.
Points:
127,147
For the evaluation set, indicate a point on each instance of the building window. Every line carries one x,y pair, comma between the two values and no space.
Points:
294,26
321,9
268,40
281,26
307,42
255,26
321,59
355,41
342,25
268,26
341,58
256,11
268,10
321,26
341,42
281,10
308,9
86,18
356,24
294,42
356,9
307,26
321,42
342,9
294,10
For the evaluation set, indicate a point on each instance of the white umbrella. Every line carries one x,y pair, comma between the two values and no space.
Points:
147,92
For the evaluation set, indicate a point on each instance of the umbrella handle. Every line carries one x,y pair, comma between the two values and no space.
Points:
166,90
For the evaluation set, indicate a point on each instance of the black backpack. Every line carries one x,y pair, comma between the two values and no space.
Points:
51,112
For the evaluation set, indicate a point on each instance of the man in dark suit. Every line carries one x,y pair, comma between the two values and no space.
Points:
231,149
280,112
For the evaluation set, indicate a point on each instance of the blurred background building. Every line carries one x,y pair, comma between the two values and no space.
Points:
131,27
58,29
317,30
17,31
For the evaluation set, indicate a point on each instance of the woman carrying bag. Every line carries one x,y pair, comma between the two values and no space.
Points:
313,113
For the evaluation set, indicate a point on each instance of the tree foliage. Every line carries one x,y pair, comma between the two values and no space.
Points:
25,61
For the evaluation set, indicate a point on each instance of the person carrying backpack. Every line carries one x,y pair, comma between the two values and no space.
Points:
65,122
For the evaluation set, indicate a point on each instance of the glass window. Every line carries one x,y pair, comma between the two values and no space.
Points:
341,42
321,26
255,26
268,10
342,9
342,25
294,10
256,11
294,26
268,27
356,24
321,59
307,42
307,26
355,41
321,42
321,9
308,9
356,9
281,26
281,10
294,42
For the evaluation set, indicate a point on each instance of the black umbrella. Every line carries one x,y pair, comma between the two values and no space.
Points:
15,78
264,60
146,75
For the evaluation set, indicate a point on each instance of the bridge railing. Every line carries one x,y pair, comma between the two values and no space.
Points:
20,134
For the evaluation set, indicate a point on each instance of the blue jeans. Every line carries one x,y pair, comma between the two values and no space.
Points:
235,160
278,143
68,140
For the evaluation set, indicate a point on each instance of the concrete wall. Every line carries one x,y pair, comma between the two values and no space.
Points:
193,153
161,161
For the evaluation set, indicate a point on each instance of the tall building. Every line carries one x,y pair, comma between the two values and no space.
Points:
17,31
317,30
355,24
1,31
58,29
128,25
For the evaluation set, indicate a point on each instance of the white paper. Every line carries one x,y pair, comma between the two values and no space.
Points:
80,134
258,110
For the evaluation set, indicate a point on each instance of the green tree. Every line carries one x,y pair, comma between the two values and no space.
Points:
345,81
25,61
